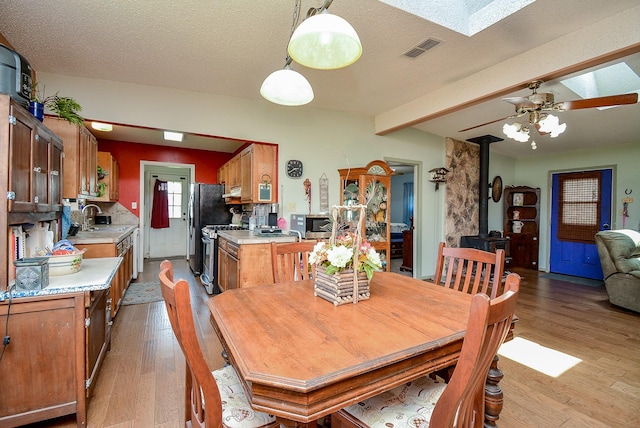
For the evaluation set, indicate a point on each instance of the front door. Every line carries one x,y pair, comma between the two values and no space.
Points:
170,241
581,205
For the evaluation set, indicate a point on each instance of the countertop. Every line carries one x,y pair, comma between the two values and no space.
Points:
104,234
94,274
242,237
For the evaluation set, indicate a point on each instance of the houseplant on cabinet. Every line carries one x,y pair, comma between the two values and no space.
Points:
66,108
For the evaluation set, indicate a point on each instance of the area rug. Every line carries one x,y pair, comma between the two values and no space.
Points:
574,279
142,292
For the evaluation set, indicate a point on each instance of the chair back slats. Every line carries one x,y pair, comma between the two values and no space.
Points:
290,261
487,328
470,270
201,388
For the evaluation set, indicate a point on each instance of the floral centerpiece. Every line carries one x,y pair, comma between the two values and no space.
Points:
341,255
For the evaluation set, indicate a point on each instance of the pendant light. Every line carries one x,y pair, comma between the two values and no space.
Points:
324,41
288,87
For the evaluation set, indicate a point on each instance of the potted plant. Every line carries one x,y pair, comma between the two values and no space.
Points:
66,108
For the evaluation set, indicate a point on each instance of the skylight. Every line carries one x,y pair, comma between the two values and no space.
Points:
467,17
612,80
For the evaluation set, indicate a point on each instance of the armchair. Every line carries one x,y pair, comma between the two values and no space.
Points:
619,252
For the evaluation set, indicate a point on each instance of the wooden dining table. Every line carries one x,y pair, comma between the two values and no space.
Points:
302,358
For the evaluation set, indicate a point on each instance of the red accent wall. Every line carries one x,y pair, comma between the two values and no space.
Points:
129,156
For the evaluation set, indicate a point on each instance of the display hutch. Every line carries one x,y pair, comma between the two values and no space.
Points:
522,225
371,186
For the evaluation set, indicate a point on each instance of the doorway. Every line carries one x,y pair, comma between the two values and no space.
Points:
169,241
580,207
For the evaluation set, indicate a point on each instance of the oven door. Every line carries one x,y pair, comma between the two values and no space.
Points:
207,263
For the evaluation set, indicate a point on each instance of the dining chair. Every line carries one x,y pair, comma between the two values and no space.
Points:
470,270
290,261
460,403
212,399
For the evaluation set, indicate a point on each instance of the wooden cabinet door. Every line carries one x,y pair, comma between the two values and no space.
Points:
223,257
246,174
21,137
96,335
40,170
55,174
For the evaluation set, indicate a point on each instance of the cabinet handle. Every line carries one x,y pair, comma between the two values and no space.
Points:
37,138
55,172
35,199
11,196
37,169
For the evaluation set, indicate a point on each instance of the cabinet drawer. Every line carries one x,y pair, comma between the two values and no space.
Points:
232,249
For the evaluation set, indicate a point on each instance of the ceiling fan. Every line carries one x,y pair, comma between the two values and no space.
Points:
537,104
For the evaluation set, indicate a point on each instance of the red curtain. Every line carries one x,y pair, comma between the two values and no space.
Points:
160,211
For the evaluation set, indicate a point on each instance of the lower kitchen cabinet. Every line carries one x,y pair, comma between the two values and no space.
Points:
243,265
122,279
57,345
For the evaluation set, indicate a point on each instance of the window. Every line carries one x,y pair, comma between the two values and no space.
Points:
579,206
175,199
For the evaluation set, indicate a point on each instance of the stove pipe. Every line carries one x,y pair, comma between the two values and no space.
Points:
483,205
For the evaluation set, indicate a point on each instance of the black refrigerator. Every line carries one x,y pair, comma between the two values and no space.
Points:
206,207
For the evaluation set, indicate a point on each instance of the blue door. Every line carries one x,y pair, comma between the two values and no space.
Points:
578,257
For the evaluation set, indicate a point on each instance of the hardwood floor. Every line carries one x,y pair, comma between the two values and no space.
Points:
141,382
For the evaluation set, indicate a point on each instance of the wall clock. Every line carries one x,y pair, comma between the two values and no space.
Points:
294,168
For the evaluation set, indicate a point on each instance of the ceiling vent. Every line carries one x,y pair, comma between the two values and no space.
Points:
422,47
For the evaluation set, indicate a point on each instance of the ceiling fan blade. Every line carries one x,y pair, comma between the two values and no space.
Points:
489,123
612,100
520,102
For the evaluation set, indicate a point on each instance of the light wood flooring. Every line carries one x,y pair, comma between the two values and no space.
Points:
141,381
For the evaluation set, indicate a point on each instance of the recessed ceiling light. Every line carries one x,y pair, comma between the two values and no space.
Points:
99,126
173,136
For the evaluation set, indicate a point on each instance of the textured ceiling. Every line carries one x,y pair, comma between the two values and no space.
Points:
229,47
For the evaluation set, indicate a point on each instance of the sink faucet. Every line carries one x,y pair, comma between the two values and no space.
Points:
85,224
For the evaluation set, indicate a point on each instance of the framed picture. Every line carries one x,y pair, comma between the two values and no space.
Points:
518,199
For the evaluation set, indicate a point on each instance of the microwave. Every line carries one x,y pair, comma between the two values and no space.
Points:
312,226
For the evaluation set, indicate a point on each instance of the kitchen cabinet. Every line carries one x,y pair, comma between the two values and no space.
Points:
521,218
58,343
80,160
33,156
255,166
123,248
228,267
108,185
371,186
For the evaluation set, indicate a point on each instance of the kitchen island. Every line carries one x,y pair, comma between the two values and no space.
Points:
57,339
244,258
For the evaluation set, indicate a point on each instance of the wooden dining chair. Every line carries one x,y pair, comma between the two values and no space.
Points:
290,261
212,399
460,403
470,270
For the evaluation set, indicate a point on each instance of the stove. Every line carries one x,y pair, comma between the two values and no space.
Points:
209,276
212,229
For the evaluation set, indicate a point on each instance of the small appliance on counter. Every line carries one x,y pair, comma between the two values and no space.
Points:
312,226
103,219
267,231
15,75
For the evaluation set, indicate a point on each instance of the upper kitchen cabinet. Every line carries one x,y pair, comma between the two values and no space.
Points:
371,186
108,180
252,175
33,160
80,158
258,174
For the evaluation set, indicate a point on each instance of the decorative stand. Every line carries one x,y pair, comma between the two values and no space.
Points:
349,285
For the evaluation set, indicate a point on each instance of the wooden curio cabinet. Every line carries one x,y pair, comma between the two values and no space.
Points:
522,225
371,186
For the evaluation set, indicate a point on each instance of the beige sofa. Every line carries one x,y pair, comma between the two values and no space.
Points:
619,252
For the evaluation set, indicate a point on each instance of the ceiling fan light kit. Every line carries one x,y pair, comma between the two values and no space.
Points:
538,104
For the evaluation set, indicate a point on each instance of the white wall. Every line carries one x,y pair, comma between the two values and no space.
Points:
324,140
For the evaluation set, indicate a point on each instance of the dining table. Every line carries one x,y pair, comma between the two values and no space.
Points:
301,358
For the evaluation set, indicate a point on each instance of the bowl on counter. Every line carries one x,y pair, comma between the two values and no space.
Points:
65,264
